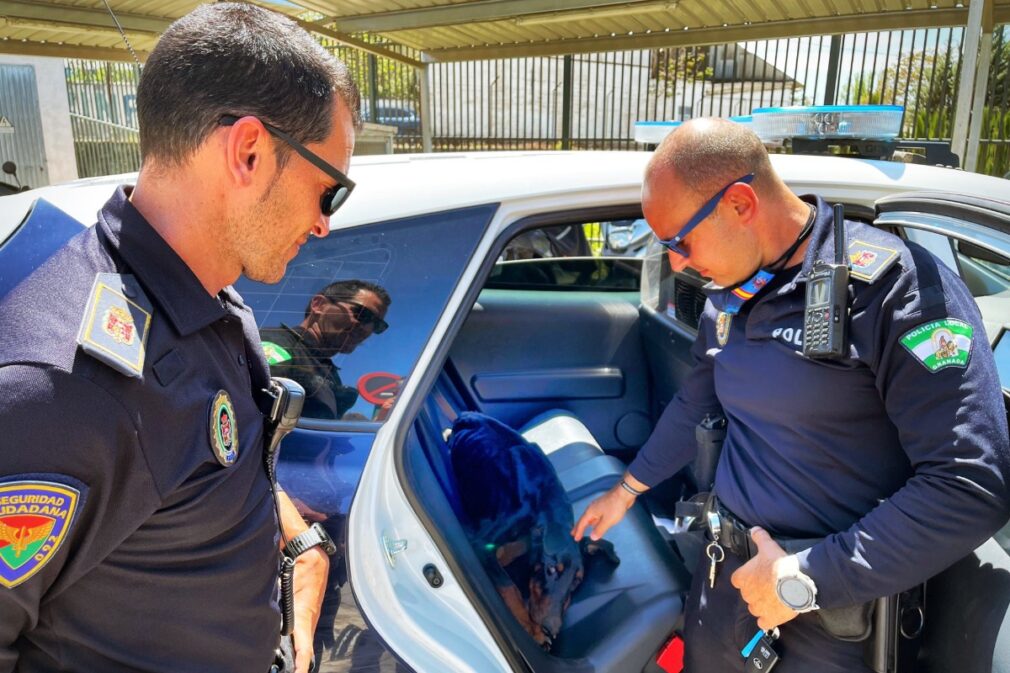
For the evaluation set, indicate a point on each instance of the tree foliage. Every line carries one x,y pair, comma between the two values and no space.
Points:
680,64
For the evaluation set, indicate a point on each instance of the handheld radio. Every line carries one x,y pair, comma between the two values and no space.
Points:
826,314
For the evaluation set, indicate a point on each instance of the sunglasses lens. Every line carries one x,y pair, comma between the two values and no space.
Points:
365,316
334,198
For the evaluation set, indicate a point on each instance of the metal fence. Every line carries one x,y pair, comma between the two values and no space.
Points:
591,101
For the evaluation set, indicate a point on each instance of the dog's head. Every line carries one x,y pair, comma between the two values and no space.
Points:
556,571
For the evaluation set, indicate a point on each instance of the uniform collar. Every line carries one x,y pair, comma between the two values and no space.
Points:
310,344
822,242
821,245
173,285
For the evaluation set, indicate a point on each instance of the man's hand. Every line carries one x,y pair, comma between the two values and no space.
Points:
311,571
606,511
756,581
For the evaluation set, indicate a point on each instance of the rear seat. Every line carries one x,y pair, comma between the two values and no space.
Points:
617,619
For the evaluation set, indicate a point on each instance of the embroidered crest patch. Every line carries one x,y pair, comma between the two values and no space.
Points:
722,325
869,262
223,429
274,353
940,344
34,519
115,323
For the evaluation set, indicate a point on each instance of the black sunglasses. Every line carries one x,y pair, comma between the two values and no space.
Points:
364,315
333,197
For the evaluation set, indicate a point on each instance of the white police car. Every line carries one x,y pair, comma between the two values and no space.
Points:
500,300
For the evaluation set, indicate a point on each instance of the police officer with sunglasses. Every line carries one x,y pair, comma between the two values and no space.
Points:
137,523
337,320
841,481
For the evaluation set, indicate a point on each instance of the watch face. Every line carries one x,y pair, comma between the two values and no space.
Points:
794,593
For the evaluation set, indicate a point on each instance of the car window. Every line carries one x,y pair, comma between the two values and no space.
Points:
984,272
588,256
352,313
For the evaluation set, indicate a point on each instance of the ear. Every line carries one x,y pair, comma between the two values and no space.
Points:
317,304
248,151
742,198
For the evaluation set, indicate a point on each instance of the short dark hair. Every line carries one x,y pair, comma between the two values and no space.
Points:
237,59
348,289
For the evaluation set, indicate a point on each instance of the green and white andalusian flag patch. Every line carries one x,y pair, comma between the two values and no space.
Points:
940,344
275,354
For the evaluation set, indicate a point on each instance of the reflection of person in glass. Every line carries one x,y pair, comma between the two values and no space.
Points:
337,319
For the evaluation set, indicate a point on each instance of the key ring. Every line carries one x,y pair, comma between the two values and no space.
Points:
715,552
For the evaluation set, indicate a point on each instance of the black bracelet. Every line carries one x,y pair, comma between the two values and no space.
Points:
631,489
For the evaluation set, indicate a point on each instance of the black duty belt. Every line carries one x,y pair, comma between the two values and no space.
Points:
734,535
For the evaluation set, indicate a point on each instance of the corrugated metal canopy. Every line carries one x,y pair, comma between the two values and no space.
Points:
453,30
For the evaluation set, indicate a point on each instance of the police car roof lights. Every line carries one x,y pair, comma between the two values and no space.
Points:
652,133
821,122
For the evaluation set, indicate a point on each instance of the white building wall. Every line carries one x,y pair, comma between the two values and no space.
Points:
55,110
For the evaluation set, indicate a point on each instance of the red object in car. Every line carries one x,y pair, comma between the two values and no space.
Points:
671,657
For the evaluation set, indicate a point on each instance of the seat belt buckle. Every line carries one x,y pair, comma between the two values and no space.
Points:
671,657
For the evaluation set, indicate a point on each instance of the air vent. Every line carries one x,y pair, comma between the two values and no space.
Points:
689,301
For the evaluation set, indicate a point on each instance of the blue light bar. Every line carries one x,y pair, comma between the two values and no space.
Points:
652,133
870,122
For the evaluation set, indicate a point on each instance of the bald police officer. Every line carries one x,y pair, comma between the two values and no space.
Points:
137,525
896,455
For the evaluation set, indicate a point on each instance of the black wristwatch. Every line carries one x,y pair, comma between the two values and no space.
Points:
315,535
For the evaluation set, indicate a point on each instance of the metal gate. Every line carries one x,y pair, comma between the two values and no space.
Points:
591,101
21,126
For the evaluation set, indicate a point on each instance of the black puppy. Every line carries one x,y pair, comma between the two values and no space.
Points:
516,509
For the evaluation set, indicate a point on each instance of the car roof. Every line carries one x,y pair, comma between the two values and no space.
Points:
403,185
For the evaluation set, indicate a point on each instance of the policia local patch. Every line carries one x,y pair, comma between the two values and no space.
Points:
223,429
940,344
34,519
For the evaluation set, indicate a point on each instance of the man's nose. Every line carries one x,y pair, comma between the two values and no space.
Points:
677,262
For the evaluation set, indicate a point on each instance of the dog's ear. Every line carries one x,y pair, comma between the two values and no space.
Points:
601,548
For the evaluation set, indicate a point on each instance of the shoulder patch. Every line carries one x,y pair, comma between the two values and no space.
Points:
868,262
274,353
35,517
116,322
940,343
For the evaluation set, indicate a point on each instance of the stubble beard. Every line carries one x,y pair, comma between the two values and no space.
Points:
253,235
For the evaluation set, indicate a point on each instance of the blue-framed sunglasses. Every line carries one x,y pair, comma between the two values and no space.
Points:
333,197
703,212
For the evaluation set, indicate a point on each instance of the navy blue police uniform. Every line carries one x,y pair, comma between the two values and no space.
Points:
137,527
896,456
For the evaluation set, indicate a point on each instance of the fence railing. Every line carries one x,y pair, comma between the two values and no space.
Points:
104,148
591,101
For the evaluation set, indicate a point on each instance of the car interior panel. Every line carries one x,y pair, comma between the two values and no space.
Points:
590,361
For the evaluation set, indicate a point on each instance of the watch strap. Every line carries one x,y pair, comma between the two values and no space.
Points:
314,536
